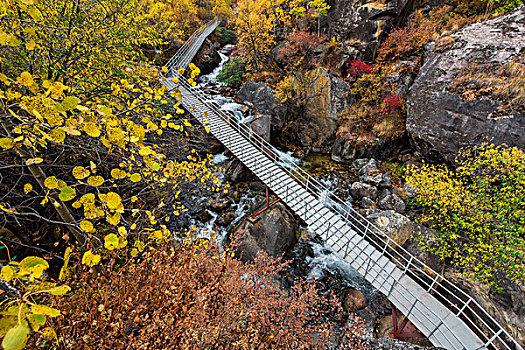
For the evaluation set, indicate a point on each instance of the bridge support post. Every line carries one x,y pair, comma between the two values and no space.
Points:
399,329
268,204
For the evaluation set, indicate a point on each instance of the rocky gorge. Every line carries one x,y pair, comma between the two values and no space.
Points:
441,118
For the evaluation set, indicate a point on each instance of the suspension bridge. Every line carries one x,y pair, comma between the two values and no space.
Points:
446,315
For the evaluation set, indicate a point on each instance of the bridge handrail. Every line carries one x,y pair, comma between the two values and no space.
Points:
174,60
463,303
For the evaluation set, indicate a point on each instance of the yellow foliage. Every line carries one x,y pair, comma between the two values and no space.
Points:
477,210
254,24
90,259
90,120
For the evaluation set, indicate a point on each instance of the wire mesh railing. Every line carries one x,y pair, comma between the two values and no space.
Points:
460,304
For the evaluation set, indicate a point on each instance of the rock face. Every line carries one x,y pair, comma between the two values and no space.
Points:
315,127
440,122
507,307
261,124
261,98
344,152
274,232
331,97
208,57
360,24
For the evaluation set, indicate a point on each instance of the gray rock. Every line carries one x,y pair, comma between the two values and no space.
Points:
375,179
261,97
440,122
386,180
360,24
368,167
369,173
344,152
367,203
358,190
261,125
274,231
208,57
392,202
235,171
384,192
394,225
359,163
404,79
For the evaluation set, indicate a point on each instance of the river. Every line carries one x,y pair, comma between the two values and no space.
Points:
324,260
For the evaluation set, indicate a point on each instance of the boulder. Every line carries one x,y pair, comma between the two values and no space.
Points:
398,227
441,119
367,203
235,171
261,125
361,162
370,173
208,58
354,300
392,202
384,192
364,168
358,190
273,231
260,97
393,344
219,205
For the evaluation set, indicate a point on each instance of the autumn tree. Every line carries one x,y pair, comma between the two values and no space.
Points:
477,211
320,8
93,153
298,51
222,10
184,13
254,25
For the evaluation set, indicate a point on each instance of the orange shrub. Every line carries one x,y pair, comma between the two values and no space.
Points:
197,297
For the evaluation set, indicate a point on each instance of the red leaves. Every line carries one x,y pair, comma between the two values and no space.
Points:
356,68
392,103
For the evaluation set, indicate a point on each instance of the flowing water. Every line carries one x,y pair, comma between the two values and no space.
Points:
324,259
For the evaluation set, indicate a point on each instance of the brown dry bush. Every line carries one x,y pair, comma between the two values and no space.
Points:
197,297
